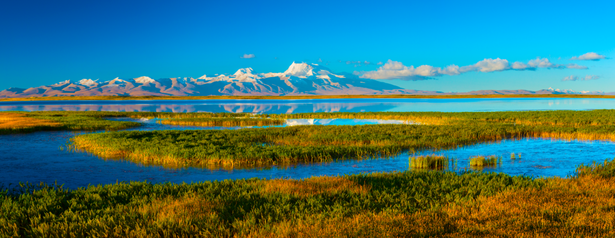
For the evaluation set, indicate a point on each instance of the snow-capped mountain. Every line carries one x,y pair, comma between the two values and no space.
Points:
298,79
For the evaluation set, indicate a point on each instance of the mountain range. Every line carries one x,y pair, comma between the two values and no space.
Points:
298,79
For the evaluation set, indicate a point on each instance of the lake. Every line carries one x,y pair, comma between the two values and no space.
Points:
318,105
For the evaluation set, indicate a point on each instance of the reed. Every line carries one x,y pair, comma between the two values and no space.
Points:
222,122
429,162
481,161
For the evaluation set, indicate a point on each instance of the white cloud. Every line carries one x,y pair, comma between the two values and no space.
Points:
487,65
589,56
248,56
570,78
379,63
396,70
590,77
575,78
544,63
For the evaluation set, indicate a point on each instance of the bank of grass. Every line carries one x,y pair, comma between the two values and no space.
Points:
399,204
21,122
268,146
17,122
256,147
222,122
239,208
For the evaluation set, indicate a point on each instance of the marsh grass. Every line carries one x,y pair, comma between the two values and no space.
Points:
267,146
482,161
237,208
17,122
429,162
399,204
222,122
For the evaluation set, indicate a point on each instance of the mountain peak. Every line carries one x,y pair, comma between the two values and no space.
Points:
144,79
300,70
88,82
244,71
62,83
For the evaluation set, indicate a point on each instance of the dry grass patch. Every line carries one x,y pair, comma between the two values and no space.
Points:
313,186
20,121
579,207
422,224
565,207
179,210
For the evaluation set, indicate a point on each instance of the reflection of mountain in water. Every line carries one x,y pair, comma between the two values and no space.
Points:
340,122
194,106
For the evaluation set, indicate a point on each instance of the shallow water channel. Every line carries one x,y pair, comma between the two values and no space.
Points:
40,157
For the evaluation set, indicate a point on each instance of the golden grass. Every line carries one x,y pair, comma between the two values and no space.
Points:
178,210
574,136
223,123
21,121
61,98
313,186
428,162
565,207
578,207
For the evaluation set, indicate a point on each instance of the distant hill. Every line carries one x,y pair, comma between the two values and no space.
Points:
298,79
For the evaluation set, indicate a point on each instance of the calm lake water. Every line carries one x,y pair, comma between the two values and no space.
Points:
39,157
317,105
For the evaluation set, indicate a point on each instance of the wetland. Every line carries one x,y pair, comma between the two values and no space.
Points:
232,173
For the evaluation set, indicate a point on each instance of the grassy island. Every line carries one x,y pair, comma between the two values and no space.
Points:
266,146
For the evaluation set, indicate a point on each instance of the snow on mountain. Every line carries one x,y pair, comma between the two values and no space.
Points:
298,79
570,91
116,80
88,82
302,70
61,83
144,80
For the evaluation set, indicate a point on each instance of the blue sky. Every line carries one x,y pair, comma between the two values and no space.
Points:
44,42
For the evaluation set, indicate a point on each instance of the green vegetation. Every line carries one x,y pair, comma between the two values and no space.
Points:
237,208
254,147
223,122
481,161
604,170
401,204
20,122
429,162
